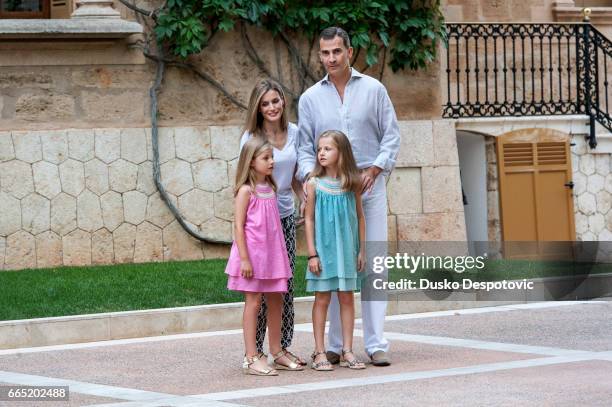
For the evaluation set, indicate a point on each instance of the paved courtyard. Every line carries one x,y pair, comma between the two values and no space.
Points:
553,353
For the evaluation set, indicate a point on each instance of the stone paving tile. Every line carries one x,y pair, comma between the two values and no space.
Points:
213,364
572,384
582,327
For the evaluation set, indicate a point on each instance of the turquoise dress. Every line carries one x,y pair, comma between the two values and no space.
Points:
336,238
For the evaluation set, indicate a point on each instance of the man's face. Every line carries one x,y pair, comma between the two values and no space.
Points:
334,56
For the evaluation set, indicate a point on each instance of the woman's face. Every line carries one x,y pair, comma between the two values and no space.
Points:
271,106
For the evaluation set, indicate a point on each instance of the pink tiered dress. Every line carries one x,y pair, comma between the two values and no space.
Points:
265,245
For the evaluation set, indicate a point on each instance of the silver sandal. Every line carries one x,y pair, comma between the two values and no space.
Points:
292,366
249,370
323,366
355,364
295,358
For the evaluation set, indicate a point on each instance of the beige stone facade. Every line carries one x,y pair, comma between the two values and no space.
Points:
592,174
76,185
499,10
424,190
81,197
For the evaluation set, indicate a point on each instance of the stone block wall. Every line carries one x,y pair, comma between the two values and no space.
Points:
424,191
592,175
60,97
498,10
82,197
493,215
81,91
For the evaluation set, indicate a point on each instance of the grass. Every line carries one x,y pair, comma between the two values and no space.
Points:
36,293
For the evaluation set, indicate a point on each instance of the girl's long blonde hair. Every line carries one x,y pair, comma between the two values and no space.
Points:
347,168
245,174
254,119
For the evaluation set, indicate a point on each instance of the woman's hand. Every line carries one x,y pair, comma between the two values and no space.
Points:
300,219
246,270
314,265
360,261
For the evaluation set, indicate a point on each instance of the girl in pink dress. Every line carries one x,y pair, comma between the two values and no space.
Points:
258,262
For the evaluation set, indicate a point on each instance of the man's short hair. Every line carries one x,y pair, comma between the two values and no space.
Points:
332,32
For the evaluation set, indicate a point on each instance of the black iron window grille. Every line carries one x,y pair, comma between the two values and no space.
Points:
510,69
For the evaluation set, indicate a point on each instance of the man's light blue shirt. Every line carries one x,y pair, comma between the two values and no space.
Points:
366,117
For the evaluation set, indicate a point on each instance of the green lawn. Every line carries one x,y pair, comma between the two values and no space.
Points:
84,290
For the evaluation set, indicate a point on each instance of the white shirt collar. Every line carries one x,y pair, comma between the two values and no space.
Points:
354,74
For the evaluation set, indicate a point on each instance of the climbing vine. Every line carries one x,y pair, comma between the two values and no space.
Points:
410,29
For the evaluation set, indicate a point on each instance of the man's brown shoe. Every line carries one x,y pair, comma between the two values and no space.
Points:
380,358
332,357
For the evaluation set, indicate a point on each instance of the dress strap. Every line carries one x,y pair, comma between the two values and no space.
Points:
264,192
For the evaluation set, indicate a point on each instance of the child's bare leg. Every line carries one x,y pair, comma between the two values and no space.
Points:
274,301
347,317
252,302
319,314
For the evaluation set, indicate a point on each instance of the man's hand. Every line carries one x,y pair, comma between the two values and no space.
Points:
368,177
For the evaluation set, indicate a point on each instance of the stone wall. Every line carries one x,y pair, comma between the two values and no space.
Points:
493,216
82,84
498,10
425,202
81,197
592,191
60,92
59,97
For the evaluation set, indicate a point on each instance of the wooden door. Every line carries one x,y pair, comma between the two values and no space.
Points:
536,203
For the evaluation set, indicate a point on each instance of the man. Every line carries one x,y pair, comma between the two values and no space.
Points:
359,106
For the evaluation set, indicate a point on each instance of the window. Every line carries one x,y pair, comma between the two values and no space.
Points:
24,9
35,8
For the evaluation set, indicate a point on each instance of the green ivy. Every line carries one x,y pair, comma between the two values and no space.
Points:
410,30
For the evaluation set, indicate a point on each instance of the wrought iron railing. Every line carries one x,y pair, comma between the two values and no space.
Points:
528,70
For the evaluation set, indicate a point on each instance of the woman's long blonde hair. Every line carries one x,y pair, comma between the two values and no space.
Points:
347,168
254,119
245,174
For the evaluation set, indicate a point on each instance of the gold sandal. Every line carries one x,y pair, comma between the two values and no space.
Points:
294,358
355,364
292,366
247,367
323,366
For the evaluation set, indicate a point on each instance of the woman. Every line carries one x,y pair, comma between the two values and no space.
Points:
267,118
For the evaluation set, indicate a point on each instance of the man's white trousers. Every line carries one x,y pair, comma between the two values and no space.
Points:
372,312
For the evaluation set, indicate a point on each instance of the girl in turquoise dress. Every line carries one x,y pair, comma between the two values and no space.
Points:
335,226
